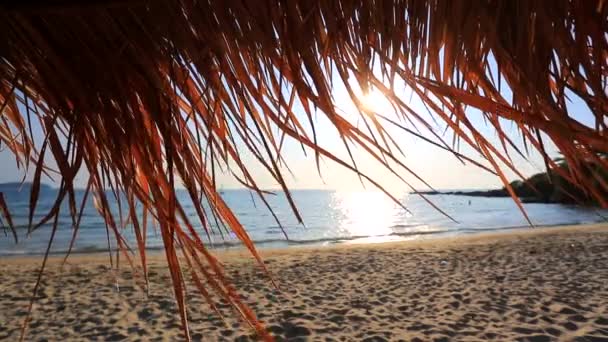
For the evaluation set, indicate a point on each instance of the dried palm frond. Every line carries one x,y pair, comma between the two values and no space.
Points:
146,95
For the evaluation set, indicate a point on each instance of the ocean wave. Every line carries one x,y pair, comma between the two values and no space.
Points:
279,242
60,225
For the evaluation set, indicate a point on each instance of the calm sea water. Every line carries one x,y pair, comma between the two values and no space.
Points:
329,217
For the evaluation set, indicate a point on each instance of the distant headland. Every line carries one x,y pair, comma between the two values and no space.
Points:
543,187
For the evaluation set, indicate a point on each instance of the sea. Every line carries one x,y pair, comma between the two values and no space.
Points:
329,217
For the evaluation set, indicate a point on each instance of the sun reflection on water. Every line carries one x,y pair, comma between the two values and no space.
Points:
366,213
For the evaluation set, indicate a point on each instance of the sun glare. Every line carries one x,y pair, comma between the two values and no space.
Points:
375,101
365,213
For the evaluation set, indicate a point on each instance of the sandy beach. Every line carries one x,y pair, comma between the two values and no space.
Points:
539,284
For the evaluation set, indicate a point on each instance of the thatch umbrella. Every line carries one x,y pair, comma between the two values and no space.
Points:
142,94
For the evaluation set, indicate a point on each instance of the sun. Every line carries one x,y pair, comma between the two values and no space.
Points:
375,101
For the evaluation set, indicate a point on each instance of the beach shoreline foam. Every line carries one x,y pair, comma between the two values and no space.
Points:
280,244
530,283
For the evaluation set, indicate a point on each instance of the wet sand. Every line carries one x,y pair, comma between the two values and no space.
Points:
529,285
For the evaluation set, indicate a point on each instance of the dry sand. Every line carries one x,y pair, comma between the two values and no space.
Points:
532,284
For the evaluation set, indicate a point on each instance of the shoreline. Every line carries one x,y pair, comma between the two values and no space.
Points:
274,245
536,284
